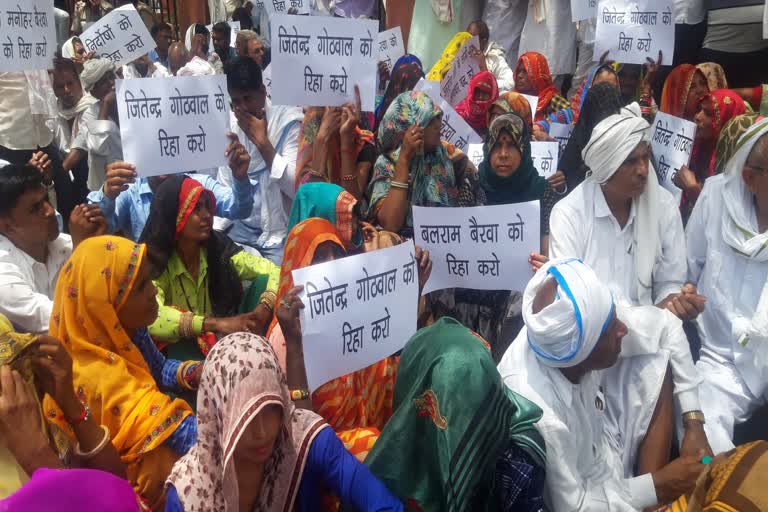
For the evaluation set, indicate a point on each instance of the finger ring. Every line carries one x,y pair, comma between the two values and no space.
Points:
284,303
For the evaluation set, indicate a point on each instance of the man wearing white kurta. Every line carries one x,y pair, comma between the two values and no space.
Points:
626,227
727,234
574,331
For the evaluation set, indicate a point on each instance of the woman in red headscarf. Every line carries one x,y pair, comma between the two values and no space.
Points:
483,91
714,112
683,89
532,77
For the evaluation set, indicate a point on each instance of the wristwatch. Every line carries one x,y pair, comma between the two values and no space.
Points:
694,415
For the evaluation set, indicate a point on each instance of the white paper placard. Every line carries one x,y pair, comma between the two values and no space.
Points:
454,129
391,46
475,153
533,101
266,77
171,125
234,28
583,9
634,30
282,6
561,133
357,310
545,157
455,85
672,142
482,248
319,59
27,35
120,36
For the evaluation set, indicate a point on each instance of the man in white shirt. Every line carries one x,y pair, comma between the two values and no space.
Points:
270,134
143,67
182,63
574,332
624,225
495,58
103,131
627,228
726,235
32,251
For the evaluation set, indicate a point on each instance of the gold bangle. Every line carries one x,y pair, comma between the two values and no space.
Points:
399,184
694,416
349,177
92,453
268,299
299,394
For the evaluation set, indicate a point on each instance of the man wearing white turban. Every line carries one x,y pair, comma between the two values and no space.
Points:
102,133
628,229
575,331
727,236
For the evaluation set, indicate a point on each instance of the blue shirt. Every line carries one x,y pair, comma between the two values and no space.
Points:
155,57
128,213
163,370
329,463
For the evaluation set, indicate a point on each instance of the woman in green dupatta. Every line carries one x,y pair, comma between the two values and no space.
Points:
457,432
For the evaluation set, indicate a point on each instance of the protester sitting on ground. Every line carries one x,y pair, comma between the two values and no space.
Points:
162,33
221,35
32,250
495,58
532,77
481,94
72,123
575,332
270,135
359,400
413,168
622,206
198,40
249,44
104,302
602,100
627,228
683,89
73,49
258,450
125,198
333,148
181,62
103,132
715,110
144,67
31,367
405,74
507,176
728,141
726,235
199,272
472,447
89,490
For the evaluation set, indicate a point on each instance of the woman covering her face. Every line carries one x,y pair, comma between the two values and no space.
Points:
414,168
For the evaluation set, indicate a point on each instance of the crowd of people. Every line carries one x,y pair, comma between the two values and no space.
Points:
150,338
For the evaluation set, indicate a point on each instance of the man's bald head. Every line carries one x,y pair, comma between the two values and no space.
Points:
178,57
